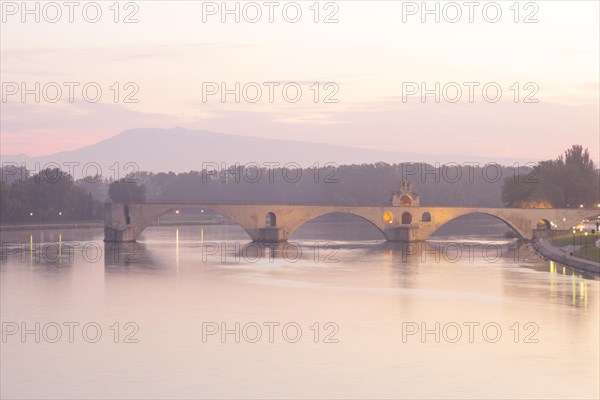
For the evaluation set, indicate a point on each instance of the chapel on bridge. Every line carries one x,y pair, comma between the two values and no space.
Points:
406,196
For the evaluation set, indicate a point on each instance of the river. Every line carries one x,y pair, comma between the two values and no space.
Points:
195,312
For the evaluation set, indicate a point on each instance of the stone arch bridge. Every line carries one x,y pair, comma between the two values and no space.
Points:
271,223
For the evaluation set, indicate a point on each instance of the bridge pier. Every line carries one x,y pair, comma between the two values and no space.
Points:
403,234
117,224
115,235
271,234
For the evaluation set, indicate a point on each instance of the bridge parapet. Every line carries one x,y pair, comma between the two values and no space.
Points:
277,222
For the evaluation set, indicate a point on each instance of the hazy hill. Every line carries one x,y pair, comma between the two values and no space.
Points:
181,150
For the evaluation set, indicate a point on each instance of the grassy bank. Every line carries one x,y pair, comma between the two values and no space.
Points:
578,239
589,253
585,244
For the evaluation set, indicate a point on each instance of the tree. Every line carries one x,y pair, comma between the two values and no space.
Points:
49,196
580,178
568,181
127,190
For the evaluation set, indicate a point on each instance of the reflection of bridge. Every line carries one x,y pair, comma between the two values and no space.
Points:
276,222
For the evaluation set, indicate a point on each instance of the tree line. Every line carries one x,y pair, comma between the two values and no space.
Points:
365,184
49,196
570,180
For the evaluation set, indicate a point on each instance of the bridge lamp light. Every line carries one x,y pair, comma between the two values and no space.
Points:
581,206
176,211
31,214
388,217
60,213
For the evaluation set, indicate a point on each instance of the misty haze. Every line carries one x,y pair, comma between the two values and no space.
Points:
284,200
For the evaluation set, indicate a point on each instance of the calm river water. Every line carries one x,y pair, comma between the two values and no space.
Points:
192,312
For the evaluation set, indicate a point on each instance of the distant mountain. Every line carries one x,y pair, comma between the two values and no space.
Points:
183,150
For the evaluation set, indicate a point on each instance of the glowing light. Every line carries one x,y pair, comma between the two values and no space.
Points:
176,211
388,217
581,206
177,249
60,213
574,297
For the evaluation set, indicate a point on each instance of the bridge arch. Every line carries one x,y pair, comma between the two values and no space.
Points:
508,221
321,214
544,224
145,218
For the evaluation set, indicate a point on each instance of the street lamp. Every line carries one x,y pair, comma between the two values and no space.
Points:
564,219
585,246
573,242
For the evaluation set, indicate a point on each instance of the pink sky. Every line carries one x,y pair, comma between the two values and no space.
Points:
369,53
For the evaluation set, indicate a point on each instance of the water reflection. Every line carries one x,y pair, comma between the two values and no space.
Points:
176,278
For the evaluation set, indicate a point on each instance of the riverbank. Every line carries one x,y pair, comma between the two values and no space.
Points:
100,224
70,225
560,255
